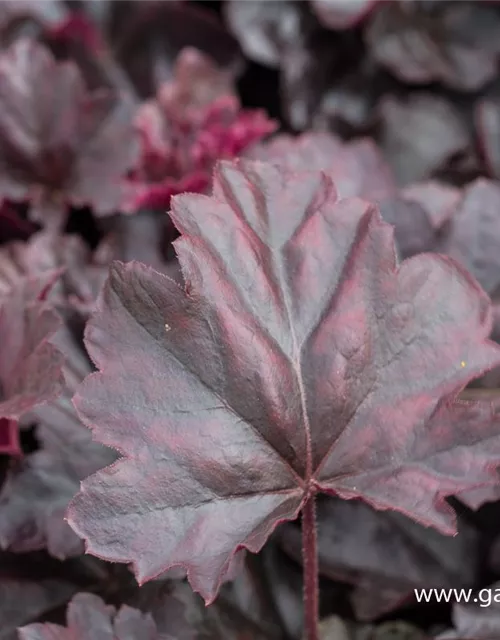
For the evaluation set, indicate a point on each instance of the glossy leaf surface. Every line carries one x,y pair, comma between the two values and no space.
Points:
287,367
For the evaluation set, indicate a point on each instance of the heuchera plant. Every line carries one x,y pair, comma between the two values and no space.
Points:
284,369
250,320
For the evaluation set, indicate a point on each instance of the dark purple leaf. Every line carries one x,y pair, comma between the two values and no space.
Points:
30,366
36,493
422,44
59,144
288,368
385,555
342,14
421,135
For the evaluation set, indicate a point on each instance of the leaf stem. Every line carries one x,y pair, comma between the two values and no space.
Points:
310,564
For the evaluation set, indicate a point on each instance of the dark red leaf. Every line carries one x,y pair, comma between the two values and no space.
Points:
30,366
342,14
36,493
59,144
290,368
385,555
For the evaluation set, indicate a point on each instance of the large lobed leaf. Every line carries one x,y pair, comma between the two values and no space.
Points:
301,358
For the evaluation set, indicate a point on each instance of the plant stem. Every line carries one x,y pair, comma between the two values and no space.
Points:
310,564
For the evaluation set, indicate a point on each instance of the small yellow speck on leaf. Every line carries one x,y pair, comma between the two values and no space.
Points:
463,363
